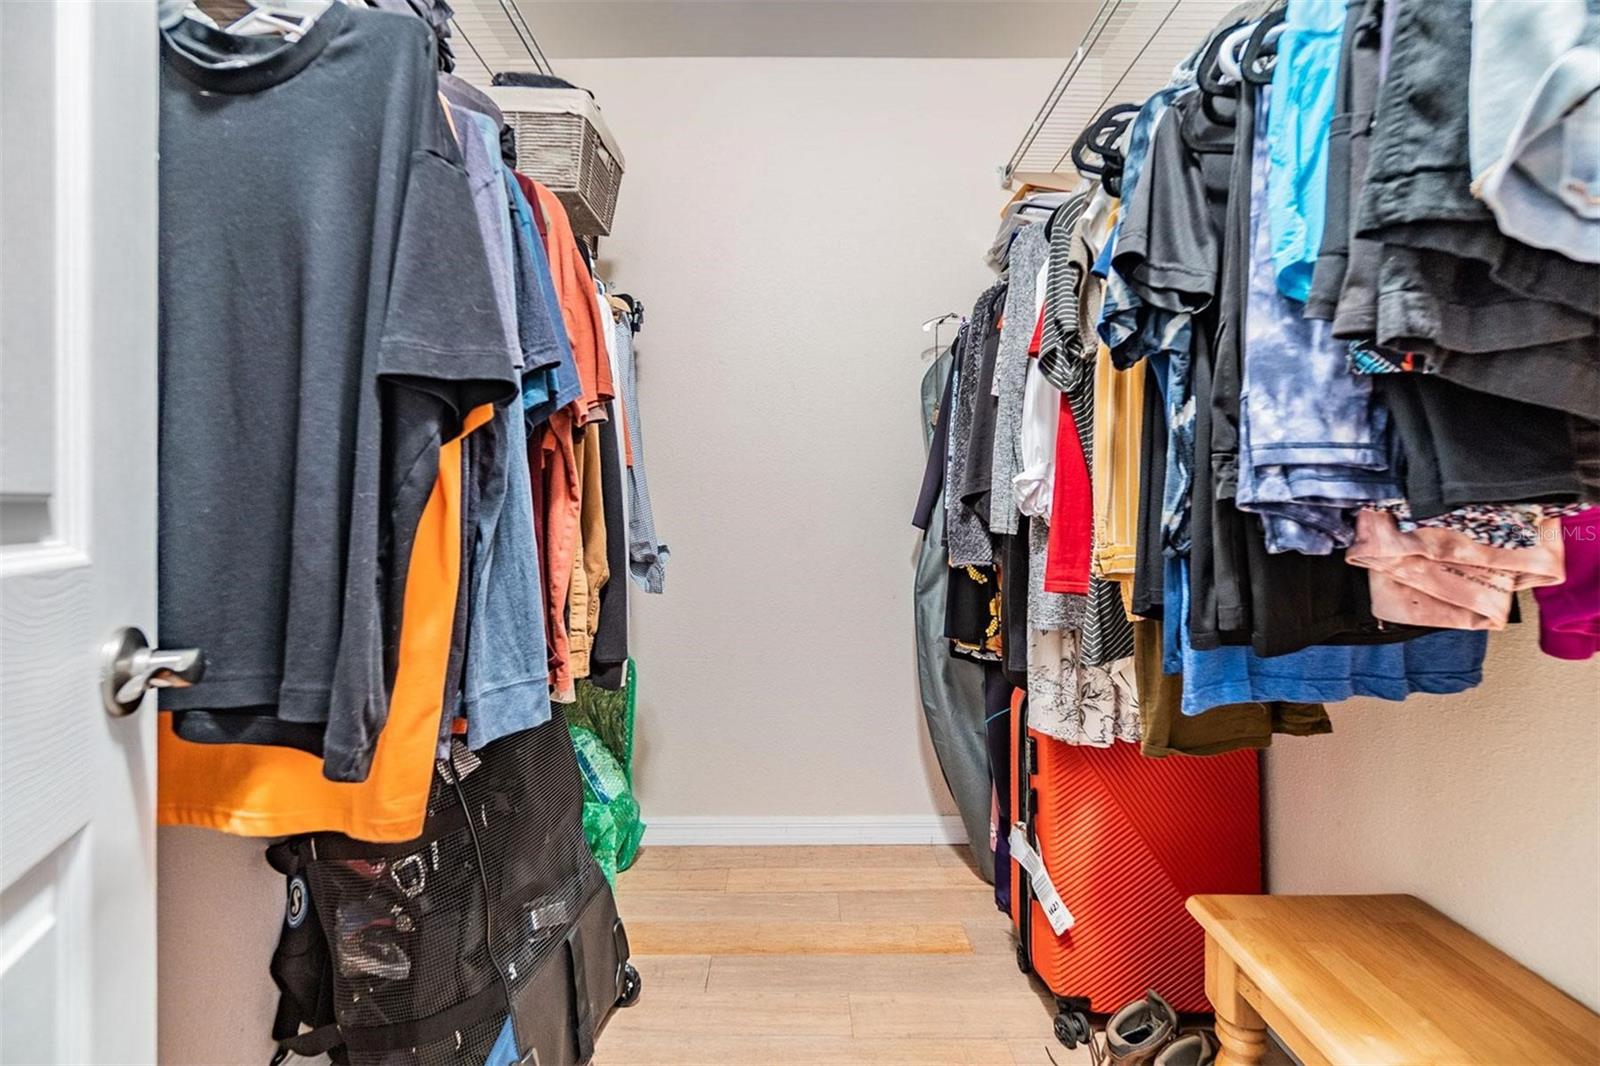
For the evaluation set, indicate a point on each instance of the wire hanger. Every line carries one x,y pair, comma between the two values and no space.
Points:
933,324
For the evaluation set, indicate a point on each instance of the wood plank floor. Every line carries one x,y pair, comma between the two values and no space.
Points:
823,956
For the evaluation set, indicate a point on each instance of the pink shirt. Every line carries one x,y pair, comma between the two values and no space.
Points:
1569,613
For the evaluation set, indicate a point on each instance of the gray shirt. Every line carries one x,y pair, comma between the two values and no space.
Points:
327,318
1028,254
647,556
506,676
493,210
966,532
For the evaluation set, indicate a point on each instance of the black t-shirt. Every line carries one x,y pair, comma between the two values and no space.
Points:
1461,446
1169,246
1149,560
327,317
933,470
1011,550
608,655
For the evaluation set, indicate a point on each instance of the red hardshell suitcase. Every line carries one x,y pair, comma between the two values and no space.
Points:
1126,840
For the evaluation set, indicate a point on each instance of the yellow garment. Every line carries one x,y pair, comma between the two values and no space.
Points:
260,791
590,570
1118,428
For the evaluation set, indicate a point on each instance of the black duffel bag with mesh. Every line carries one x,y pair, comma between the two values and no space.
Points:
494,925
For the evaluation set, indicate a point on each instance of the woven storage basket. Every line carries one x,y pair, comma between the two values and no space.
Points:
562,142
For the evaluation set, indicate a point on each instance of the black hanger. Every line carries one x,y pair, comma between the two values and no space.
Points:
1208,73
1079,147
1260,52
1100,137
1104,141
1208,76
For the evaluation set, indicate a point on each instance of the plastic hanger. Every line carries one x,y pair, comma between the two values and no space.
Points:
1100,137
1228,54
291,18
1079,158
1110,141
1206,74
1210,78
1261,51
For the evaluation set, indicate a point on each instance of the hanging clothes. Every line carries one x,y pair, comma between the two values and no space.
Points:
951,688
350,371
1569,613
1368,398
505,671
454,358
267,790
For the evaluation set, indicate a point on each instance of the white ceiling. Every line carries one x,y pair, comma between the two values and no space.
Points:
1133,45
625,28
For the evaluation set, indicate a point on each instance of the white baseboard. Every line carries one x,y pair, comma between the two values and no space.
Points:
672,831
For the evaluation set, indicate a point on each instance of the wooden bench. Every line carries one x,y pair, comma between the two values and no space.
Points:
1373,980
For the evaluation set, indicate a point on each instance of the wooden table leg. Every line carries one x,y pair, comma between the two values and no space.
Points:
1240,1030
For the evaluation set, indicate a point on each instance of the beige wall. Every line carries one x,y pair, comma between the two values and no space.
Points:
789,224
1486,805
219,910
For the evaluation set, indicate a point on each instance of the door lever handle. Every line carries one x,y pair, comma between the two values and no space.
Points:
130,667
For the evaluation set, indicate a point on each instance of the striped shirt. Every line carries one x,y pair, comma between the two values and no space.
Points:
1107,633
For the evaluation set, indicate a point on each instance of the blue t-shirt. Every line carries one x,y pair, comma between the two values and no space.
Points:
506,677
505,684
1439,663
557,385
1126,325
1303,91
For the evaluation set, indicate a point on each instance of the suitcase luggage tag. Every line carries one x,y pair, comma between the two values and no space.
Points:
1055,911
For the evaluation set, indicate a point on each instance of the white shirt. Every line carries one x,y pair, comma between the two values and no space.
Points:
1041,414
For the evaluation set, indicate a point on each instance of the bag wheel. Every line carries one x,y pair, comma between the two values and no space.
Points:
632,986
1023,962
1072,1028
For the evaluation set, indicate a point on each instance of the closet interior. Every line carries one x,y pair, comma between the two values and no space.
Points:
1252,469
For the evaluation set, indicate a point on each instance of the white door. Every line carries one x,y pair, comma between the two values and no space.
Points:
78,84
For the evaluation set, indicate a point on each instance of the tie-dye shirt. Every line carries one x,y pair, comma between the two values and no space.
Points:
1314,440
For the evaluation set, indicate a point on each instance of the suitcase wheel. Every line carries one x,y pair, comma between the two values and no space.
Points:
632,986
1023,962
1072,1028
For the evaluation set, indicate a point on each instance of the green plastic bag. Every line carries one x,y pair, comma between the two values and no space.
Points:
601,722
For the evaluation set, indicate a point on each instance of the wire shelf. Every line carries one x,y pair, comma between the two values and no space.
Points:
1128,52
491,36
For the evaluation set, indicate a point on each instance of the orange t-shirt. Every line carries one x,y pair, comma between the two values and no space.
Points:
257,790
580,305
